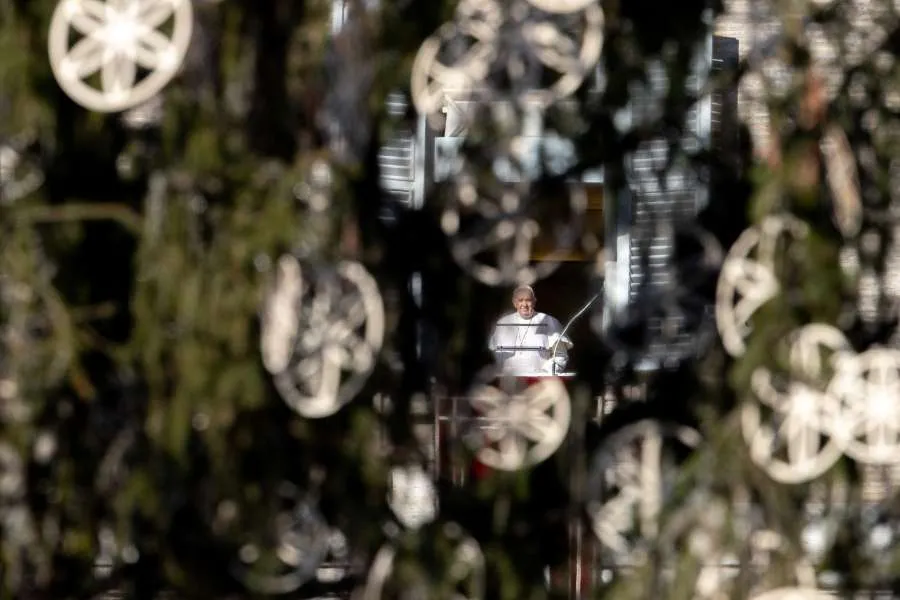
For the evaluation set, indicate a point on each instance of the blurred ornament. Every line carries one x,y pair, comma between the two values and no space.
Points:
412,497
629,483
867,425
322,329
34,332
766,562
508,50
517,429
562,6
337,564
147,115
748,279
494,228
13,409
843,181
770,551
12,475
19,174
539,47
122,41
107,556
793,443
462,570
794,593
302,541
670,318
456,59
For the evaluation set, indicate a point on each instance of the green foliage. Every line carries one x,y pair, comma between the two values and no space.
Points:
131,285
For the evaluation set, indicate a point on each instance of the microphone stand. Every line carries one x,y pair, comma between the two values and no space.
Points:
562,334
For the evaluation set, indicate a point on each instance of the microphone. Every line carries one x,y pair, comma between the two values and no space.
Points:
562,334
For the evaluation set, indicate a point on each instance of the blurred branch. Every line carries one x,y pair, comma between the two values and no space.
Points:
83,212
97,312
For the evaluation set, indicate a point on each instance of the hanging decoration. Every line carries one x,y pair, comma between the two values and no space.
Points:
322,329
793,442
20,174
507,51
562,6
517,429
413,497
120,57
462,569
835,403
630,482
494,228
748,279
867,423
302,541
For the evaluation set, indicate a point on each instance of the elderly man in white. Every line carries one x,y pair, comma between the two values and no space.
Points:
522,341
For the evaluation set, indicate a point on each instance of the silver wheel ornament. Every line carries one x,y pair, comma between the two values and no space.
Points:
20,174
34,333
794,593
322,329
867,425
567,46
299,540
517,429
412,497
767,563
748,278
629,483
788,430
450,64
562,6
119,42
462,570
493,229
507,50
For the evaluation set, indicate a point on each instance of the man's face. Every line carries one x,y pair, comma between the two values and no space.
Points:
524,304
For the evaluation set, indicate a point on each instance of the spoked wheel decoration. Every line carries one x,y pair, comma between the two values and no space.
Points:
788,430
748,279
455,60
322,329
34,332
298,542
867,425
517,429
629,483
494,229
547,46
511,50
461,573
121,44
20,174
562,6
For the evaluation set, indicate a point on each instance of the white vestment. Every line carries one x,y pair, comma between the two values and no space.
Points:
523,346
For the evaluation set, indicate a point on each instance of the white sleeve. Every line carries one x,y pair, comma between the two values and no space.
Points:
492,341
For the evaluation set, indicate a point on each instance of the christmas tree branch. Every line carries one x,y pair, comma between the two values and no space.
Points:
127,217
